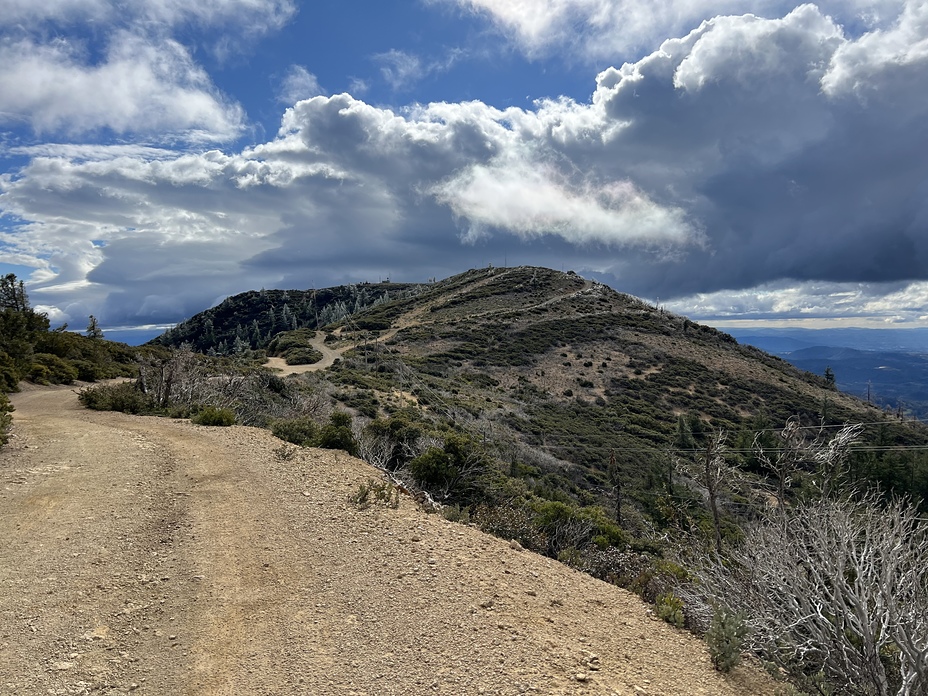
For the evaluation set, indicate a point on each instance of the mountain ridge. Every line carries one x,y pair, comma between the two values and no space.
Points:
560,374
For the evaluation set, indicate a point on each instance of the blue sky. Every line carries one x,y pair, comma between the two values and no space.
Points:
737,160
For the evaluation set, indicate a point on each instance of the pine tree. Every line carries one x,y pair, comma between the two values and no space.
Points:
93,328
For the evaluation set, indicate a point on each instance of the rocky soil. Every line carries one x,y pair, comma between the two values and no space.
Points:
151,556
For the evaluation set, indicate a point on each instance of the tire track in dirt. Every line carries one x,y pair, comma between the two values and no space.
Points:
153,556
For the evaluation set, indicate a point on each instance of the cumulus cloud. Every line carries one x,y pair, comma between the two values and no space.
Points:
131,74
139,87
533,200
615,29
761,166
880,55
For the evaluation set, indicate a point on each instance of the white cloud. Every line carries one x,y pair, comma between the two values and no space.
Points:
599,30
743,50
130,74
868,304
140,87
249,16
532,200
298,84
746,167
358,86
82,152
861,66
402,70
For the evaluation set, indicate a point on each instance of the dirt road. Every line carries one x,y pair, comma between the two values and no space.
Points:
329,357
153,556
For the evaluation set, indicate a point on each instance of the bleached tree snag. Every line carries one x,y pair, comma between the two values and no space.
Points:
712,474
836,587
786,462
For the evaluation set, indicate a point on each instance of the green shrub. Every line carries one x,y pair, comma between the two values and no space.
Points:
211,415
571,557
374,492
88,371
510,522
302,356
456,513
401,432
725,637
180,411
362,400
5,418
299,431
433,468
669,607
9,377
337,434
124,396
50,369
455,470
340,419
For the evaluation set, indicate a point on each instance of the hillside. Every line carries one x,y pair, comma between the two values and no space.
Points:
250,320
151,556
557,374
896,381
584,425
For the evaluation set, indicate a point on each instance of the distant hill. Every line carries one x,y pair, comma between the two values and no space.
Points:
889,340
890,380
250,320
887,367
777,345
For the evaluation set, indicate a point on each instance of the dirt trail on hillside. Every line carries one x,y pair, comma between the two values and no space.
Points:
410,319
329,356
153,556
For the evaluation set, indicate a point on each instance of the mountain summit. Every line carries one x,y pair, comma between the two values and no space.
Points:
562,375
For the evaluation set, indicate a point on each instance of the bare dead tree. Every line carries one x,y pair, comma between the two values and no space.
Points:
830,457
186,379
785,462
421,445
837,586
373,447
712,474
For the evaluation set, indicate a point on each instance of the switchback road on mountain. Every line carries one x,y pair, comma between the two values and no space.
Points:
152,556
329,357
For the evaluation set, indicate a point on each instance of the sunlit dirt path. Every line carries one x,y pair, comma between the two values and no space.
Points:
153,556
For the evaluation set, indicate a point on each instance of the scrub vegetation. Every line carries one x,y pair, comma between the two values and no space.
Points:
582,424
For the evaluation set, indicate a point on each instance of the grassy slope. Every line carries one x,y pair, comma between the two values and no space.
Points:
557,373
562,372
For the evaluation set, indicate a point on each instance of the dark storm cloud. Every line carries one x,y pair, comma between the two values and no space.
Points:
781,155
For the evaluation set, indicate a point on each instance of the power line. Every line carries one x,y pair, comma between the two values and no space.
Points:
735,450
